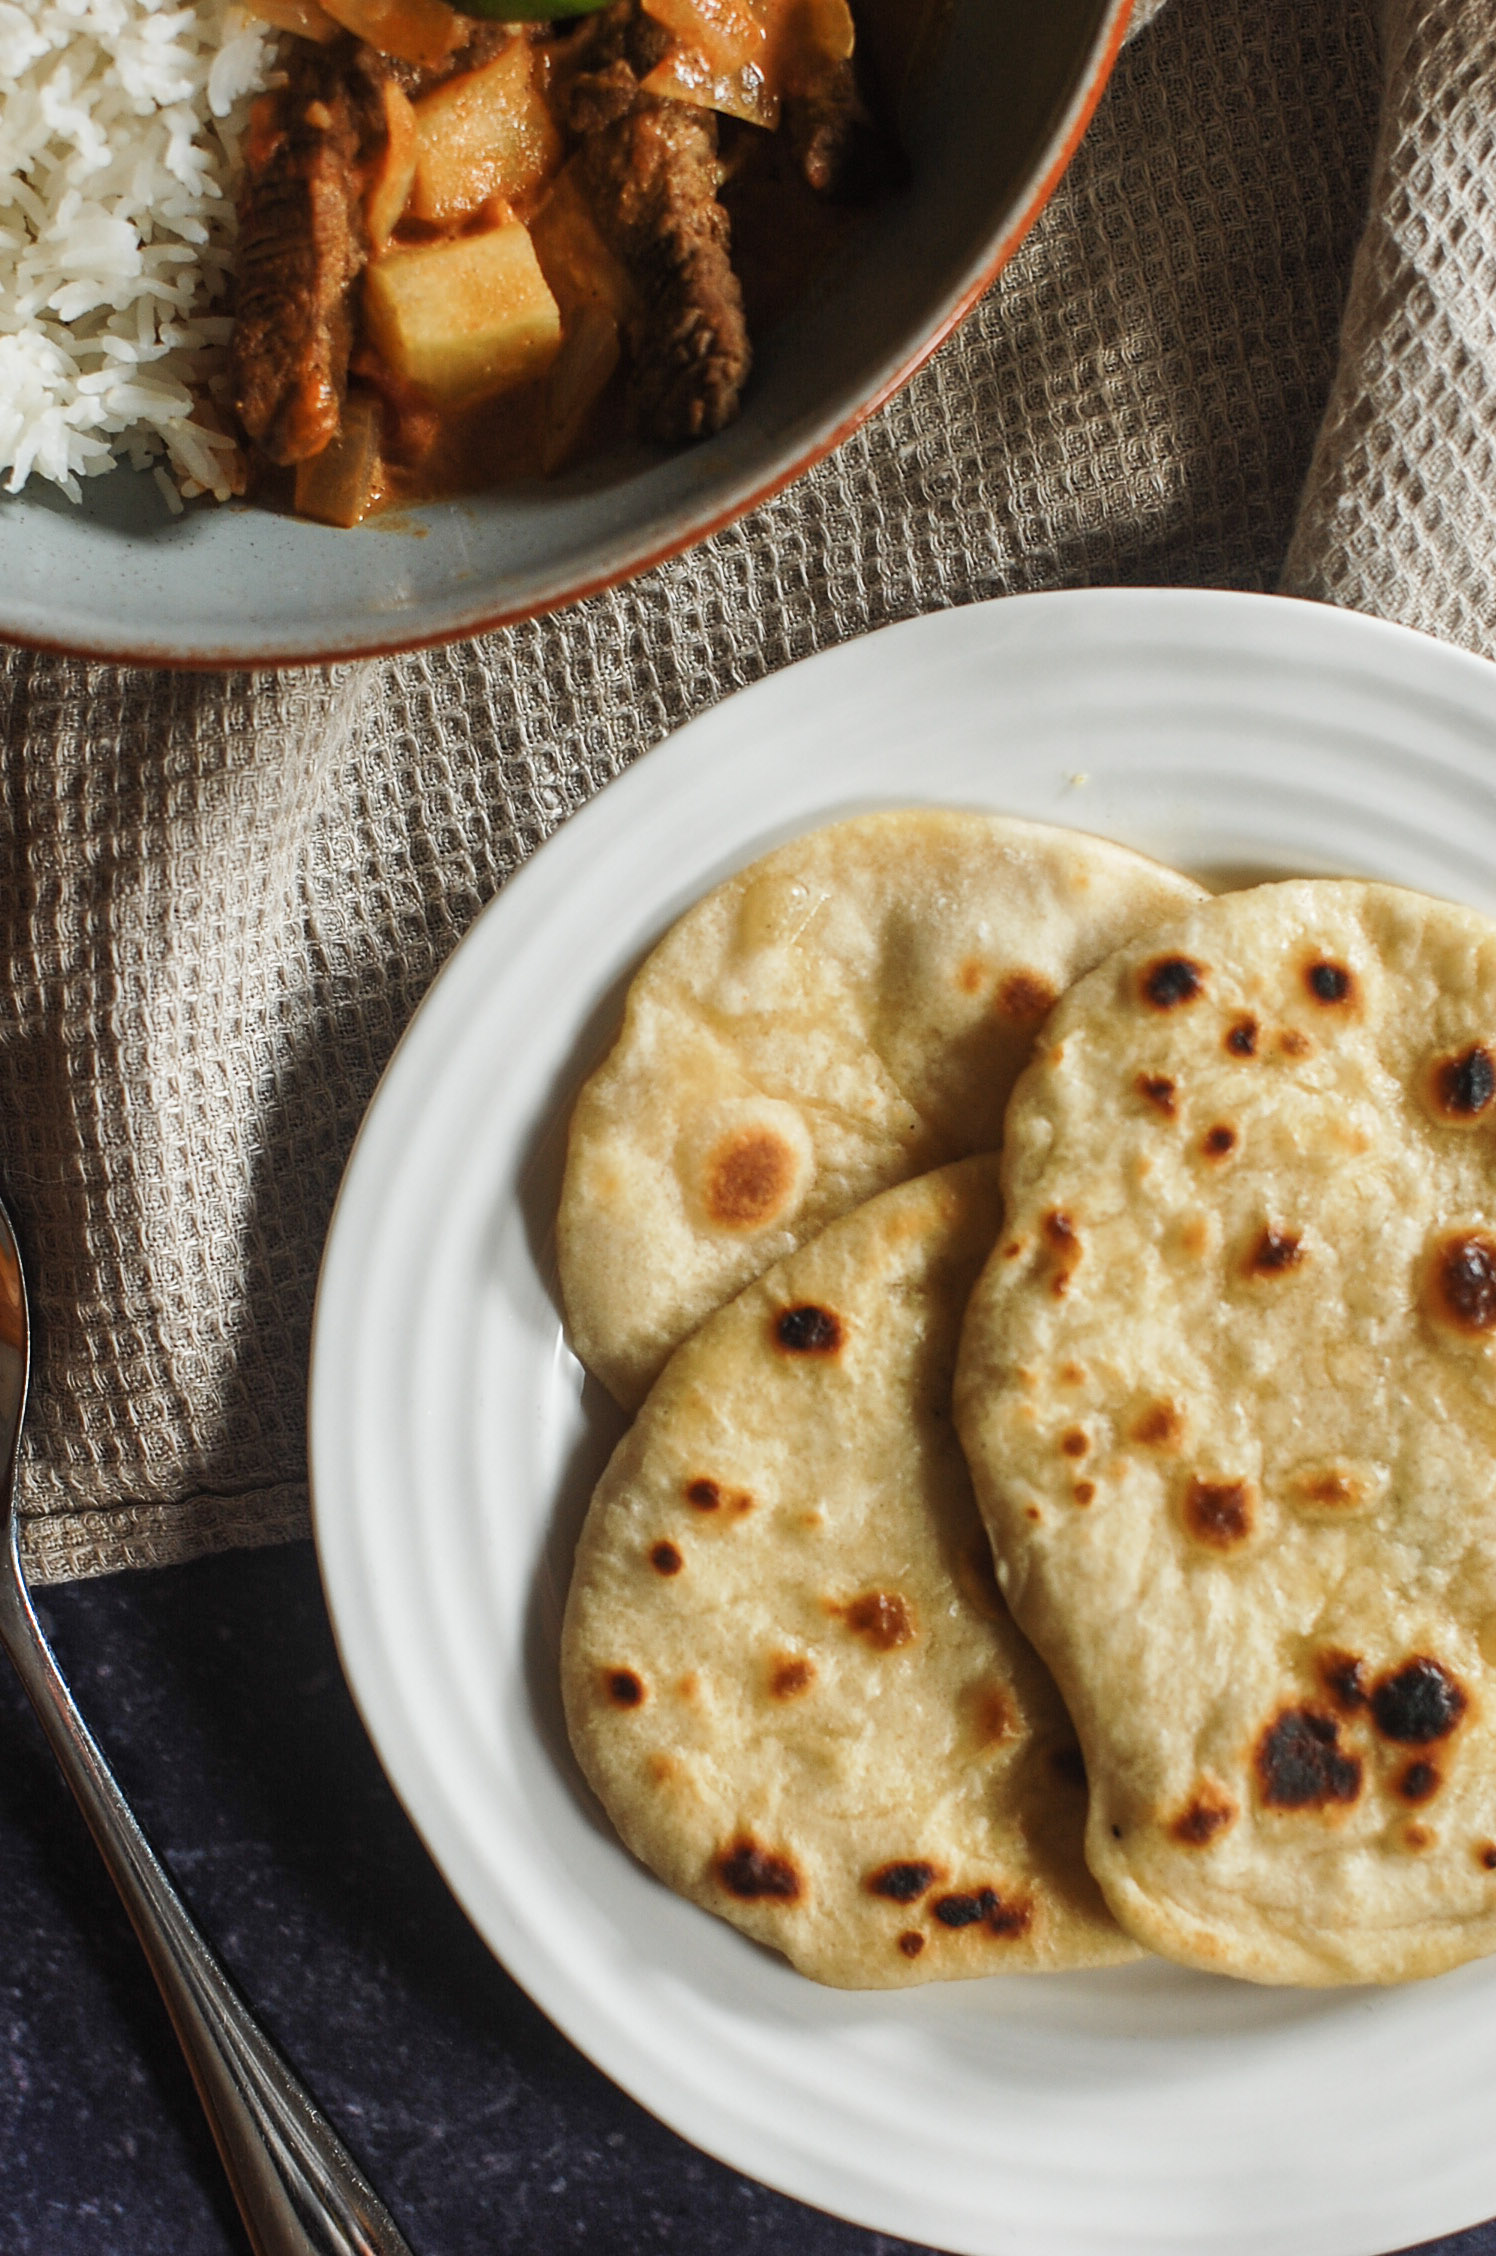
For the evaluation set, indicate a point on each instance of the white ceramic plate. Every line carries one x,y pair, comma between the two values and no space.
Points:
454,1446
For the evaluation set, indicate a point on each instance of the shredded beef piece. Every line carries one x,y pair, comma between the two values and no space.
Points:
653,182
836,144
652,178
600,97
620,33
301,249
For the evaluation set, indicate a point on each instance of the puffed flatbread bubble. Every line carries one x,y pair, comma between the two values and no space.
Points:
848,1012
1228,1390
787,1670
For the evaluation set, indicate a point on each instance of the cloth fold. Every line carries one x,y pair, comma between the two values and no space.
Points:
1399,509
226,897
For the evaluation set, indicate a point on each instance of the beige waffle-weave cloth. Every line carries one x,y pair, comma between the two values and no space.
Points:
223,898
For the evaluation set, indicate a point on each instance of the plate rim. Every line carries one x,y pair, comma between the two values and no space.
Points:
1377,639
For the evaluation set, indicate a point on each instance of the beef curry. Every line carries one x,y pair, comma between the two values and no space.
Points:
469,250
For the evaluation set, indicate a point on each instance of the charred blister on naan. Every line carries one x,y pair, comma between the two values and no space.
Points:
1063,1243
1169,982
1158,1090
1459,1088
1331,1489
1343,1676
704,1494
790,1675
903,1882
749,1178
1219,1142
1075,1441
624,1688
1485,1855
1242,1036
1208,1814
1159,1425
1274,1252
1221,1515
1331,984
809,1330
755,1874
1418,1781
1026,996
994,1719
1084,1492
1301,1764
666,1559
1418,1704
1459,1291
984,1908
911,1942
882,1618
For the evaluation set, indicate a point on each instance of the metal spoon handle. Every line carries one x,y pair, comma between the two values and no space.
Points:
299,2190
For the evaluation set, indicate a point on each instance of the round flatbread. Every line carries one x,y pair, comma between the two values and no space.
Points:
787,1670
1228,1389
844,1014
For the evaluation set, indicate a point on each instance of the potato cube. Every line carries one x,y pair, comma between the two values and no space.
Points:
464,318
483,134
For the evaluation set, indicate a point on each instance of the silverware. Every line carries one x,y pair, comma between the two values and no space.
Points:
299,2191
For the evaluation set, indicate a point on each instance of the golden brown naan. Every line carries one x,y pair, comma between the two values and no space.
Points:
787,1670
1228,1388
848,1012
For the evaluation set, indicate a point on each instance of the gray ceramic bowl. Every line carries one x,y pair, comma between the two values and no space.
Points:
994,124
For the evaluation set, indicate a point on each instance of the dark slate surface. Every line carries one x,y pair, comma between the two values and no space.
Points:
216,1693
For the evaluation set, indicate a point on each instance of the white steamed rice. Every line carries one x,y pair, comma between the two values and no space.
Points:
119,134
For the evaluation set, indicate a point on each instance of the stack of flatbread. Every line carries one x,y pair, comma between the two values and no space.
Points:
1060,1311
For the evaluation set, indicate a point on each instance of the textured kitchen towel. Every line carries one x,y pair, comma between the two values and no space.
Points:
1399,509
224,897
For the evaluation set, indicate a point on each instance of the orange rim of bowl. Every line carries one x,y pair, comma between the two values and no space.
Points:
209,661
